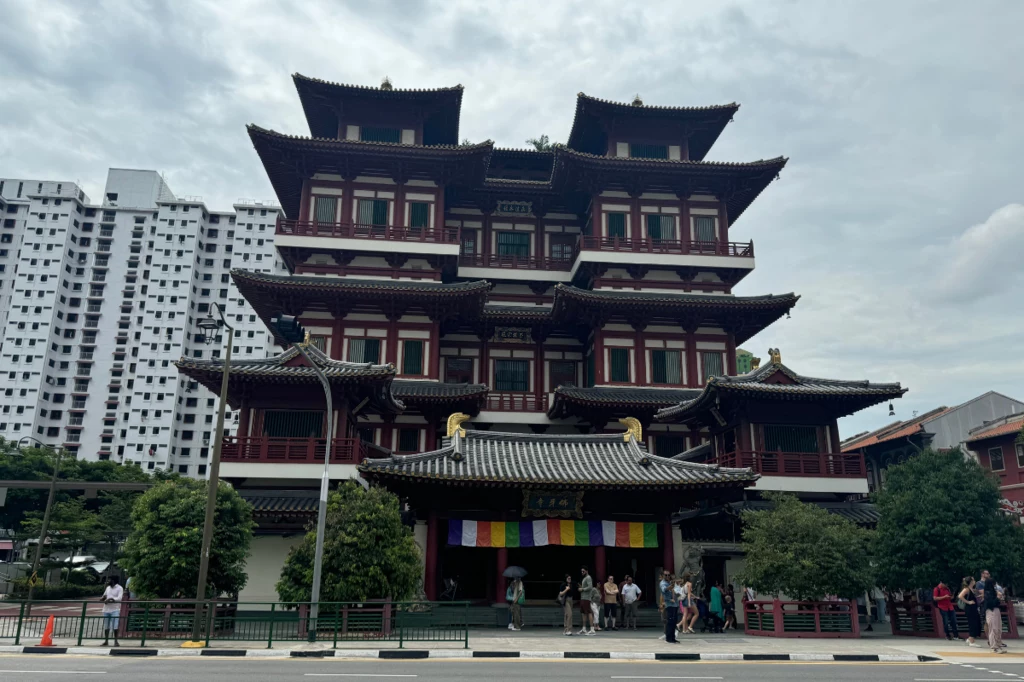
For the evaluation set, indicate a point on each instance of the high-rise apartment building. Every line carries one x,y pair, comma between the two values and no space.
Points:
97,301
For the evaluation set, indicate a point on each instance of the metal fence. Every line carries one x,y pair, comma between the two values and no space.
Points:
83,622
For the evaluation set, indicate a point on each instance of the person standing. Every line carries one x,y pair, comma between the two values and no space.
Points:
668,597
518,599
943,599
688,613
665,576
730,607
565,597
586,589
630,596
716,608
112,596
993,616
969,603
610,593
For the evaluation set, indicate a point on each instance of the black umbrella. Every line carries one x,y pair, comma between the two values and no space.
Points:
515,572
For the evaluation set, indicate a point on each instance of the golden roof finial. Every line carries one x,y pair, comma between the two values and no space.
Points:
306,340
455,420
637,102
755,363
386,84
633,429
775,355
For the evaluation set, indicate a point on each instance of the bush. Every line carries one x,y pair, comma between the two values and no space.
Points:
54,592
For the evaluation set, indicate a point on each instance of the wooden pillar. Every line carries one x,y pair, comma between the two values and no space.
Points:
692,378
723,227
538,374
684,151
499,578
641,356
684,221
730,354
304,202
243,418
636,228
668,555
600,565
430,569
337,337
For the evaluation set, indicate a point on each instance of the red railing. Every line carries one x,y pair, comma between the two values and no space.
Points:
479,260
844,465
648,245
310,228
516,402
297,450
811,619
913,619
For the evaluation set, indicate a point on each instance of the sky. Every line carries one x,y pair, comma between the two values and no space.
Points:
899,218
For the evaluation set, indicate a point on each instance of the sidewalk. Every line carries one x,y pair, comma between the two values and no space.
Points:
550,643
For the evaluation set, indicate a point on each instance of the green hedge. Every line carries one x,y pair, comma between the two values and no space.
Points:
54,592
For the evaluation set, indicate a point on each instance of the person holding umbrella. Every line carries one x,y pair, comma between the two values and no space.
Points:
516,596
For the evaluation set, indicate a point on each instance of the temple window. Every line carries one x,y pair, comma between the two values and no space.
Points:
666,367
372,212
293,423
562,246
780,438
408,440
468,242
325,209
380,134
619,360
704,228
661,227
669,445
616,225
419,214
458,370
512,375
711,365
563,373
364,350
514,244
412,357
648,151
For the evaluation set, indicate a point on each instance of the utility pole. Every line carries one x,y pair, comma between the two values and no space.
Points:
34,578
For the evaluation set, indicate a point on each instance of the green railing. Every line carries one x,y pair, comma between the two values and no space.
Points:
82,622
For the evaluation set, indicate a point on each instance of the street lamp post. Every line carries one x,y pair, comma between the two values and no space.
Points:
209,325
288,327
45,527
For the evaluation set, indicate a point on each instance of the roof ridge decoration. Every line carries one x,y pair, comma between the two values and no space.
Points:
633,429
270,132
455,421
319,81
779,161
733,106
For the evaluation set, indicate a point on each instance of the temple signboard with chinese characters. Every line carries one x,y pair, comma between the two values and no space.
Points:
512,334
554,503
513,208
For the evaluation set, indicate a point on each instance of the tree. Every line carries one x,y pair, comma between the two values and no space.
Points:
162,552
541,144
368,553
71,529
804,551
940,520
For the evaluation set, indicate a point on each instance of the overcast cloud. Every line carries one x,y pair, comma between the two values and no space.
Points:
900,217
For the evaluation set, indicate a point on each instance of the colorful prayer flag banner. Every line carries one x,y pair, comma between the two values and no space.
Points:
552,532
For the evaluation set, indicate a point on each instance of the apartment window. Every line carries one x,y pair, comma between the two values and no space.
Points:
669,445
648,151
458,370
325,209
419,214
661,227
512,375
619,360
617,225
408,440
412,357
563,373
666,367
995,458
514,244
704,228
711,365
779,438
364,350
380,134
1020,455
372,212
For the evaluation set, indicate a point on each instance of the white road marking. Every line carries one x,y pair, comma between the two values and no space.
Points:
59,672
354,675
643,677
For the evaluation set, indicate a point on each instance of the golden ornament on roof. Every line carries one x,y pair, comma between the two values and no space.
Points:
755,363
455,424
633,429
775,355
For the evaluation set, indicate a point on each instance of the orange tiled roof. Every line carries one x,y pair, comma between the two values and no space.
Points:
893,431
1000,430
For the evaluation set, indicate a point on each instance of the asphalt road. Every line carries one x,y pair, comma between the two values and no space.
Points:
25,668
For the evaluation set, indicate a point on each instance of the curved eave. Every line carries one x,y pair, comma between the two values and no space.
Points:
568,404
490,482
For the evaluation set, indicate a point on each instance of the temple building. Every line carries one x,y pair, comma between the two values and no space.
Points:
537,350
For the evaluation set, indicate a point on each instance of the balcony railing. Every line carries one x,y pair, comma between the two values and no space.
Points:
267,449
833,465
516,402
673,246
493,260
310,228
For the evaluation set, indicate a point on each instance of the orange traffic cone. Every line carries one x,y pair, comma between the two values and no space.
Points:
48,633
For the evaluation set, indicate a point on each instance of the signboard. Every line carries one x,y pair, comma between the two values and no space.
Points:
512,335
514,208
553,503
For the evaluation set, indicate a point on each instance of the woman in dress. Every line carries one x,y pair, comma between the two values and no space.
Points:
970,603
687,606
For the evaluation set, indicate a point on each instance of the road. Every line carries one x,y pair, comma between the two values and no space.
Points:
24,668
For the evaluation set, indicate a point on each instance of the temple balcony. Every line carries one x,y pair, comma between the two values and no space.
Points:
252,457
734,256
307,234
794,471
514,408
501,266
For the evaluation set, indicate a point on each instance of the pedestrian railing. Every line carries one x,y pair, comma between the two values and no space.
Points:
814,619
81,622
913,619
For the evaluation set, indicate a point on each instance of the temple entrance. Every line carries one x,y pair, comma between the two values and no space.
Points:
547,567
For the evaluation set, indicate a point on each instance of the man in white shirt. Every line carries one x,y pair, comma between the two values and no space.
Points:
111,599
630,593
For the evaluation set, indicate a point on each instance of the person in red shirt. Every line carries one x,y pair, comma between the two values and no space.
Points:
943,599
